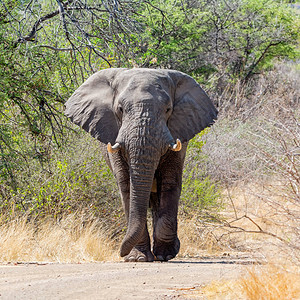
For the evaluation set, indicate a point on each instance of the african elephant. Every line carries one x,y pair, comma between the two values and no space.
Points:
144,119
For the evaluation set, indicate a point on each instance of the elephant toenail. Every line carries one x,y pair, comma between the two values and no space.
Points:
142,259
169,257
131,259
160,257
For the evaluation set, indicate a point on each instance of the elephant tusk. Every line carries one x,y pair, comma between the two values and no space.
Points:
176,147
113,149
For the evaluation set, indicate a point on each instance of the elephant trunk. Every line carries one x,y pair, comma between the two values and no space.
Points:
140,188
144,152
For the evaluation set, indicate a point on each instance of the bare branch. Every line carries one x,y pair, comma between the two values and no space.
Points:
54,48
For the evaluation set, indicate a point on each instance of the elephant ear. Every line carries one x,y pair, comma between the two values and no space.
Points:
91,106
193,111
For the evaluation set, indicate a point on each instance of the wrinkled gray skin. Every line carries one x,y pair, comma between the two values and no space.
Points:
145,111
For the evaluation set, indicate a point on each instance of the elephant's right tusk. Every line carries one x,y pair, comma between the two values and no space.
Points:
176,147
113,149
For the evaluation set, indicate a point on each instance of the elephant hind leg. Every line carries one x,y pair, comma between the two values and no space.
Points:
166,244
165,251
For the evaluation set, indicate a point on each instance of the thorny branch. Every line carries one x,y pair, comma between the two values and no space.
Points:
260,230
98,26
230,228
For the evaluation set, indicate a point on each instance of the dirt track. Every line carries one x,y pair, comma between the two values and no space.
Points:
113,280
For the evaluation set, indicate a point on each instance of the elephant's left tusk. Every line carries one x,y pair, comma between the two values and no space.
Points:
176,147
113,149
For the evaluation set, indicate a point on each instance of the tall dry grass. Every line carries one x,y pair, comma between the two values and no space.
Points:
69,240
270,283
260,283
248,226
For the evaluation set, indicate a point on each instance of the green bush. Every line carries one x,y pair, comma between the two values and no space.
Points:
199,193
74,178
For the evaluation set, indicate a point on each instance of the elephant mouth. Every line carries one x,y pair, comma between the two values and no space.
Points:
117,146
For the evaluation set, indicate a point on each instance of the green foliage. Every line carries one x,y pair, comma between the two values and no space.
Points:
199,193
73,179
32,93
232,39
30,115
40,171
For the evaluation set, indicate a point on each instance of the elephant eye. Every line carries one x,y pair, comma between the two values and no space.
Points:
120,108
168,109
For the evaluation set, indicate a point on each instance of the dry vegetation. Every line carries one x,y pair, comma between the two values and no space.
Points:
255,155
72,239
269,282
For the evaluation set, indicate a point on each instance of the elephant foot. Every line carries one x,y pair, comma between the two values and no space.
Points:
164,251
140,254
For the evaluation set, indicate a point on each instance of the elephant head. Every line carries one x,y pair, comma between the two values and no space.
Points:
143,113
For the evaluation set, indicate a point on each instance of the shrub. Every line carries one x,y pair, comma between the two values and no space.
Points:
74,178
199,193
249,120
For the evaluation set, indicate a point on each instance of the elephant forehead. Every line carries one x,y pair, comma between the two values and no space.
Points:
143,90
143,99
144,79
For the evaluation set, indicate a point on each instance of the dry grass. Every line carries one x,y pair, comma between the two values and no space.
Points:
272,283
268,282
262,220
69,240
75,239
258,222
197,242
261,217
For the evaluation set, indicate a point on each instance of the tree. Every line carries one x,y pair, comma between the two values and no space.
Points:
227,39
47,49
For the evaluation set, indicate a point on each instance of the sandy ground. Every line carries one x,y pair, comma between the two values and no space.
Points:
113,280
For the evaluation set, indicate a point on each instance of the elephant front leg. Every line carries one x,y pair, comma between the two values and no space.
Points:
142,250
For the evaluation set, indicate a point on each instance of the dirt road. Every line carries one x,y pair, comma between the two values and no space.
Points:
113,280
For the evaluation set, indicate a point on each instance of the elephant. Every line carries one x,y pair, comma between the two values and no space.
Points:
144,119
